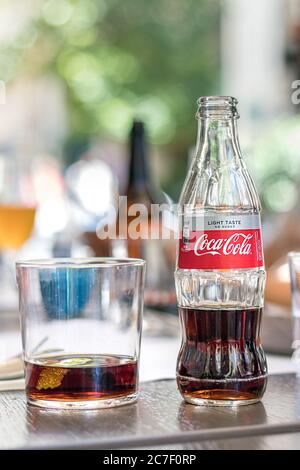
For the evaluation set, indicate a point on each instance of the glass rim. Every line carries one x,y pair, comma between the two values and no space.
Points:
217,100
293,254
96,262
217,107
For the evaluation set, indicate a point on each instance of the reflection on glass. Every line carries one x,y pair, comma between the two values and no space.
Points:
81,327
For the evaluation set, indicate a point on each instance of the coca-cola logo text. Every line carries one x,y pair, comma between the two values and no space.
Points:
236,244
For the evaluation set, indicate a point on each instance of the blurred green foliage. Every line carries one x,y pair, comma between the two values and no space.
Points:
275,162
146,59
149,59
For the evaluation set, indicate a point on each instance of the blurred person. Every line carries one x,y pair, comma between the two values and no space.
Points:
286,237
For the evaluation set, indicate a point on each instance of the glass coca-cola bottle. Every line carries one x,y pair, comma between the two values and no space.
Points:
220,272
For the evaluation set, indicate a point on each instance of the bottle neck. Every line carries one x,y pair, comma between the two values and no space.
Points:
217,142
138,171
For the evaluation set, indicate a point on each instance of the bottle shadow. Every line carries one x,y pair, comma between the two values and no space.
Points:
192,417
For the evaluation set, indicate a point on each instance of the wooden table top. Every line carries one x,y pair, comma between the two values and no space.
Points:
160,418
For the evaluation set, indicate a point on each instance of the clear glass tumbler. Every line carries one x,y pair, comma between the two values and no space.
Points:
81,325
294,264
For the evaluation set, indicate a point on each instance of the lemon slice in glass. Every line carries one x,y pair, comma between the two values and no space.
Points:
75,361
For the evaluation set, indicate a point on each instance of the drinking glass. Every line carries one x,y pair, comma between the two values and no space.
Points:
81,328
17,217
294,264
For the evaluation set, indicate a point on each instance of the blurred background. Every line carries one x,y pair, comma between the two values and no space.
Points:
76,73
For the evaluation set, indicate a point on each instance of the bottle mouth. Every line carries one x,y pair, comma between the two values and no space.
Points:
217,107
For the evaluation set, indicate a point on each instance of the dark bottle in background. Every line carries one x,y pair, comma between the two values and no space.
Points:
139,183
139,186
158,253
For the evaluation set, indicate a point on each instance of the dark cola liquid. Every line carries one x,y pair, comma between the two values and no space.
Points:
221,357
77,378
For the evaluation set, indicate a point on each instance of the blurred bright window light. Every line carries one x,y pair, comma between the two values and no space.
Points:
48,190
15,16
52,217
93,185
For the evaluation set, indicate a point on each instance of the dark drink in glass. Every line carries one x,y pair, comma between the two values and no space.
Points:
81,378
221,358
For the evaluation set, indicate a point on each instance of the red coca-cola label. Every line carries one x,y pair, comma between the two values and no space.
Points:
221,243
